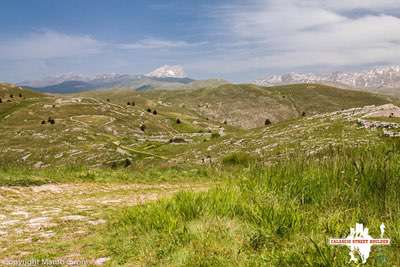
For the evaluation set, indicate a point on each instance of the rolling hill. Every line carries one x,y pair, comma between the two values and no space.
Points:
117,127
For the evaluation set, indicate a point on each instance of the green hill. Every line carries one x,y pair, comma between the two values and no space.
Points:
114,128
248,106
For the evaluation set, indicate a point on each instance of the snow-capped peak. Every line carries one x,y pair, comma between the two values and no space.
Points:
381,77
168,71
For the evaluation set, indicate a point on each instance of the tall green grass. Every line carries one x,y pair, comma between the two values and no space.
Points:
281,215
20,176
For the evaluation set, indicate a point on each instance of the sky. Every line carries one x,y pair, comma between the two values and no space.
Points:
230,39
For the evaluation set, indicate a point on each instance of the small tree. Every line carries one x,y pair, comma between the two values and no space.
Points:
108,100
178,121
303,114
1,101
155,112
149,110
267,122
43,122
127,163
129,103
20,95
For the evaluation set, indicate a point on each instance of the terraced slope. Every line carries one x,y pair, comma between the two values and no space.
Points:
248,106
122,128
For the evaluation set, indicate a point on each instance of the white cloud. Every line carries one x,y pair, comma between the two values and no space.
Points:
49,44
356,4
152,43
295,34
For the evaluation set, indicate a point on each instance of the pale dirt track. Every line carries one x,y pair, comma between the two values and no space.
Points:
31,216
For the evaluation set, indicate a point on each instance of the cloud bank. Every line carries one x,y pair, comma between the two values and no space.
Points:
291,35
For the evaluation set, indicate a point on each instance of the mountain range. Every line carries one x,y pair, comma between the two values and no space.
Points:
165,77
380,79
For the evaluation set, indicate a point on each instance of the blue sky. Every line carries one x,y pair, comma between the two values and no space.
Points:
210,39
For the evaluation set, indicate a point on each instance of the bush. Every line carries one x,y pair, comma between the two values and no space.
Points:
267,122
215,135
238,158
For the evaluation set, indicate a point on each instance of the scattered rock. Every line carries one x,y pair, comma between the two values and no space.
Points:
101,261
74,218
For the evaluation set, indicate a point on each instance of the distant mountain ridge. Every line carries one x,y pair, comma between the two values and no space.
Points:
165,77
374,79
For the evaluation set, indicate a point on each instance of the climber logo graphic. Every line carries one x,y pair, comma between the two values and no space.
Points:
360,242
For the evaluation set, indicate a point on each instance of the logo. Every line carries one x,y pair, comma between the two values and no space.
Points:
360,242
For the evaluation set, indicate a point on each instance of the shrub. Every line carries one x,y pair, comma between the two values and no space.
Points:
43,122
142,127
155,112
238,158
20,95
178,121
11,96
303,114
1,101
267,122
51,120
129,103
149,110
215,135
127,163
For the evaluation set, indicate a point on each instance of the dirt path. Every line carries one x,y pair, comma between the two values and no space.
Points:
32,216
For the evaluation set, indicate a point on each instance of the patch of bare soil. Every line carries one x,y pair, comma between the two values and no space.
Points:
47,213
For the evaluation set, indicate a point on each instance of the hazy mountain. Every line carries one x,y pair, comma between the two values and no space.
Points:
377,79
165,77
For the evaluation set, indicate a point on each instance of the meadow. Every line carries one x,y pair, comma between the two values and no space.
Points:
281,215
256,215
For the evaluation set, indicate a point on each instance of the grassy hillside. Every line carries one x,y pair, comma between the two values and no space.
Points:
248,106
124,128
256,215
266,196
278,216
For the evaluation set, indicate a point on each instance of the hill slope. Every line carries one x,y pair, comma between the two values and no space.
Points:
248,106
123,127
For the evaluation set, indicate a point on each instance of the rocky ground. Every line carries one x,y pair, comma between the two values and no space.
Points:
37,216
